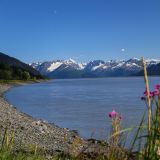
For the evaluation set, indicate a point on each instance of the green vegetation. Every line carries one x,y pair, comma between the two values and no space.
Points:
13,73
16,82
13,69
144,146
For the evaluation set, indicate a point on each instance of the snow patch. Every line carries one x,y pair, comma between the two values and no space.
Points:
54,66
96,67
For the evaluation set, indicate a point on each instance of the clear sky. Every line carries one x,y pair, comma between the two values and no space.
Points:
38,30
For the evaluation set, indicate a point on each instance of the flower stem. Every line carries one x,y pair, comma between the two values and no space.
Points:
147,90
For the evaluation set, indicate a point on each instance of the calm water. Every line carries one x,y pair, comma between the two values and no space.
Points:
83,104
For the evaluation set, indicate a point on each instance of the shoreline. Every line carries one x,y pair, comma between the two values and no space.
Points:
36,132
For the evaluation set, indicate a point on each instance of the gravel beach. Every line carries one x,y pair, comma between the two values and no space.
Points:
30,131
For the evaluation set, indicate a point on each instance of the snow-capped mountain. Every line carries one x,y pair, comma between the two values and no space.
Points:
97,68
58,68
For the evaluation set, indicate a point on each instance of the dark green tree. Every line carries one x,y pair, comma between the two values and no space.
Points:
5,74
26,75
4,66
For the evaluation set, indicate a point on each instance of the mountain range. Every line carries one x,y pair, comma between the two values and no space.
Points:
97,68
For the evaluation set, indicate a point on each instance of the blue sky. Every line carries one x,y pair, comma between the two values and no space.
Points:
38,30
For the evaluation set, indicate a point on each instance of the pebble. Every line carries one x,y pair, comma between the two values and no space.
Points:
28,130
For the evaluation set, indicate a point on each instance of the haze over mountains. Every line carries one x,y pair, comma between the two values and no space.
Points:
97,68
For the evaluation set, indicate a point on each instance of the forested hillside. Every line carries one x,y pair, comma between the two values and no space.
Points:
13,69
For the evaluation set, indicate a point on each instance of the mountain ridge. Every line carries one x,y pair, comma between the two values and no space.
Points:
96,68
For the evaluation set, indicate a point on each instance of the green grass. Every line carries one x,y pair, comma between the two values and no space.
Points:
144,146
22,81
143,152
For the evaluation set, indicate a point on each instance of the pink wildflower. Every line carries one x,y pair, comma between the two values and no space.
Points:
112,114
156,92
151,94
157,86
145,93
120,117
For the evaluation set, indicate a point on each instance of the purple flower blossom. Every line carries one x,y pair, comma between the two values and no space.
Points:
120,117
145,92
151,94
112,114
156,92
157,87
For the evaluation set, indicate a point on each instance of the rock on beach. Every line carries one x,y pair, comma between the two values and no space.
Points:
30,131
